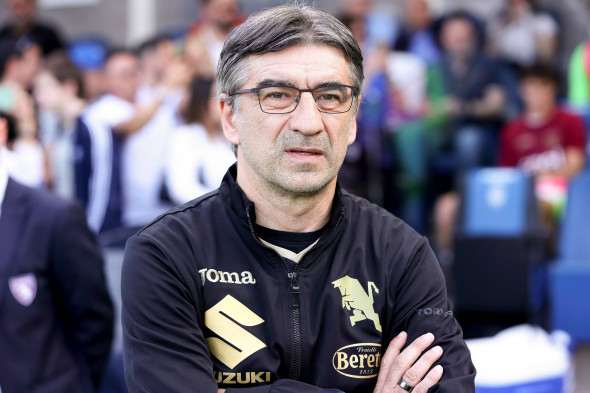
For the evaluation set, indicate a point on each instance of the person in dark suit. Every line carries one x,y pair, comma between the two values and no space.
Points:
23,21
56,316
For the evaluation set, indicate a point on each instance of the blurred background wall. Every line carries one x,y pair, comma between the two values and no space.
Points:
131,21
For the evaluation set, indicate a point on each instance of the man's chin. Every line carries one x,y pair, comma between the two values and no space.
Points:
306,184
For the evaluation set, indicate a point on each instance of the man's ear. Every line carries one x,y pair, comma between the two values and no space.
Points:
227,121
353,125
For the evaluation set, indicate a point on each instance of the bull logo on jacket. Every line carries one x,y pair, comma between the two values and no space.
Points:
355,298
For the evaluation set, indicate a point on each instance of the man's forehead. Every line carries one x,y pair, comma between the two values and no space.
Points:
312,64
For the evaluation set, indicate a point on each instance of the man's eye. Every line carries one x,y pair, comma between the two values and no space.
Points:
276,95
329,97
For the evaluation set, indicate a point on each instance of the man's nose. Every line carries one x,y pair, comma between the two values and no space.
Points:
306,118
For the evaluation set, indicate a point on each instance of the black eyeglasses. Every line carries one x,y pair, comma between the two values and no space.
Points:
283,99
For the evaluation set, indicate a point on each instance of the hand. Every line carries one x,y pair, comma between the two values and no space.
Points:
410,365
453,106
24,113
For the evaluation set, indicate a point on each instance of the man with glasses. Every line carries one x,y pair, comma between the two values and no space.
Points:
279,281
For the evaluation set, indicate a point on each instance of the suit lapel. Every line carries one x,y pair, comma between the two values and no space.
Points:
13,217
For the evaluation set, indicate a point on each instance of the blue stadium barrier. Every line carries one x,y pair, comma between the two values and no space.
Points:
496,202
569,275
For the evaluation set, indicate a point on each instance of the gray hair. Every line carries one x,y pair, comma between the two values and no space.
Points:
278,28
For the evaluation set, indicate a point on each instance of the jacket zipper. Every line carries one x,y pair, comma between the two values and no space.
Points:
296,361
295,291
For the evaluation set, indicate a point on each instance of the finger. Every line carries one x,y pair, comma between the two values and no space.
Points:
414,374
429,381
393,349
407,358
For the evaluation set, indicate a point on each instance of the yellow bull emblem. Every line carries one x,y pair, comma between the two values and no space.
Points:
356,299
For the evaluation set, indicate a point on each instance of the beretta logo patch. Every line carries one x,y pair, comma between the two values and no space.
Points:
358,360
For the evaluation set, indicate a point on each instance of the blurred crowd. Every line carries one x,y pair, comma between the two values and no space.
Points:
131,132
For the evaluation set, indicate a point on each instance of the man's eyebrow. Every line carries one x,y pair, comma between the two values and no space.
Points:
286,83
275,82
329,84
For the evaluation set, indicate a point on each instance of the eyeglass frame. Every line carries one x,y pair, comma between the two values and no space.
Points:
355,92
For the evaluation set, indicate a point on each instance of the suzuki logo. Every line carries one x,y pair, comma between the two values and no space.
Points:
236,343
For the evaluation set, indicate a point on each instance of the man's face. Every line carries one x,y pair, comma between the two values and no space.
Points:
223,12
538,94
47,91
121,72
458,37
417,13
22,9
298,152
358,8
28,66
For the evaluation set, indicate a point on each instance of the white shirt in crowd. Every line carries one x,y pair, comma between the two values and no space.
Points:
26,162
144,162
100,117
143,156
196,162
517,40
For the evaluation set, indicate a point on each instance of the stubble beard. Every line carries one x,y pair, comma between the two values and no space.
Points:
280,180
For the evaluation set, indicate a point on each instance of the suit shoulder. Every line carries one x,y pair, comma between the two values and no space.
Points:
43,200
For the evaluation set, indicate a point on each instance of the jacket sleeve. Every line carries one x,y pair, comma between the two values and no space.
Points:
164,347
78,273
421,306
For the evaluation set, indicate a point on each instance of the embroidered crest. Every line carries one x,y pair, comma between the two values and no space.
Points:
23,288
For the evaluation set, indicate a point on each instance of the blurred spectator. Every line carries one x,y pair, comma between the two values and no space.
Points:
19,62
20,59
475,100
578,94
155,56
57,317
199,153
544,141
379,28
89,55
417,121
99,137
368,166
126,142
579,77
206,37
521,34
22,22
475,97
59,90
417,35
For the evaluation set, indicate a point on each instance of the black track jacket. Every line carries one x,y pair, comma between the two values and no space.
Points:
207,305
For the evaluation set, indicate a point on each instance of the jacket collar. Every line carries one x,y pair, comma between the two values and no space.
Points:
231,192
14,215
3,175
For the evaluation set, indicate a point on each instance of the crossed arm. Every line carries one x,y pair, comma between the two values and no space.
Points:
183,358
410,365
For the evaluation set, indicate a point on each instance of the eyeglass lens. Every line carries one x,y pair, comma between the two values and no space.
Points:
331,99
